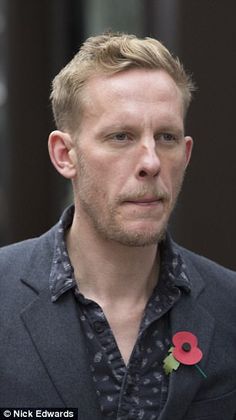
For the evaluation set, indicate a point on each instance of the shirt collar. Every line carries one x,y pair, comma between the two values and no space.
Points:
62,278
173,265
62,273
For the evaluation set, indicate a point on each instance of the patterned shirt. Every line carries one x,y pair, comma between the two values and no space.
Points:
138,390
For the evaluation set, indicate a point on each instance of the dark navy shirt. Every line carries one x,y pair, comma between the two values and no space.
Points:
138,390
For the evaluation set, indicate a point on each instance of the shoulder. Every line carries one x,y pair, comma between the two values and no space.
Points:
215,283
213,288
17,257
204,265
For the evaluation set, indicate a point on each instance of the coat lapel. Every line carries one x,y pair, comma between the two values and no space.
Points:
189,315
56,333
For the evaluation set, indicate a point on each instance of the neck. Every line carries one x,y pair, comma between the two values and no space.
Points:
109,272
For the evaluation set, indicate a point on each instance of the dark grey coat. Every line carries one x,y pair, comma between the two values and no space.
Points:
43,361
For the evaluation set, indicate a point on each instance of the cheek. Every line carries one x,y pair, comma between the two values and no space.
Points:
174,174
108,170
178,166
178,160
96,178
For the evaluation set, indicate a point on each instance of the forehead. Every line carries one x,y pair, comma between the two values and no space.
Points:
132,92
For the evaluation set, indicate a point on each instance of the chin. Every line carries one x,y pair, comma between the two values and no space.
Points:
139,238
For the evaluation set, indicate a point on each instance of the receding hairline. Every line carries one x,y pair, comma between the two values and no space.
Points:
108,54
96,83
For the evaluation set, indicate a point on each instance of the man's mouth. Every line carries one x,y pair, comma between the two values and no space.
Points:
145,201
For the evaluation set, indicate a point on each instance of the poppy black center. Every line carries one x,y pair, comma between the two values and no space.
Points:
186,347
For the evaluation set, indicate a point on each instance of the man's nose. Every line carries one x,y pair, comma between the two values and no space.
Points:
149,162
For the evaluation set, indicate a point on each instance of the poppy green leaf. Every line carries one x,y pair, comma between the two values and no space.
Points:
170,364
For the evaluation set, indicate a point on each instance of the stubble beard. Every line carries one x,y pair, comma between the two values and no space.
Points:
107,220
110,229
109,225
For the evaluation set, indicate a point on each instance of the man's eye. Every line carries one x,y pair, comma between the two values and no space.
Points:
167,138
120,136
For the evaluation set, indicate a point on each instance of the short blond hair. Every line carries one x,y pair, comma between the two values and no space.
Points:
108,54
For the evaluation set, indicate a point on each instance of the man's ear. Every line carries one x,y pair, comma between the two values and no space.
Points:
62,153
188,149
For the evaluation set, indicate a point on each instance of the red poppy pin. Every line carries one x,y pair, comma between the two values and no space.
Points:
185,351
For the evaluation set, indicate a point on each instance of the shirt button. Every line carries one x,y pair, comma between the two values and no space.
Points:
99,326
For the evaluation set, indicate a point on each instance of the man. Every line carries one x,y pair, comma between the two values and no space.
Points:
90,310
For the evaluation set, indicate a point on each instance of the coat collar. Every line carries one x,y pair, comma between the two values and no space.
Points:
58,337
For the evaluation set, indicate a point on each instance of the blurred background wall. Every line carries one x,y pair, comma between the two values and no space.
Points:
38,37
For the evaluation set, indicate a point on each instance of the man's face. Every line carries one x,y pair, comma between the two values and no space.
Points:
131,156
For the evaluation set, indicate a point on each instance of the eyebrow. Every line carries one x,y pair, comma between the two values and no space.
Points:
114,128
125,125
178,131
